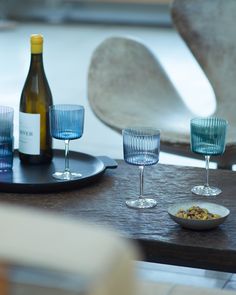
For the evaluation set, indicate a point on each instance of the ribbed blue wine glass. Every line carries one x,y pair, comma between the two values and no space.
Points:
141,147
66,123
208,136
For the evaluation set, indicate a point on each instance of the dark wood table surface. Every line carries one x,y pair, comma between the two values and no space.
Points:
160,239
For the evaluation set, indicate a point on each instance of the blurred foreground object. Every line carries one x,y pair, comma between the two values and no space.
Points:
46,254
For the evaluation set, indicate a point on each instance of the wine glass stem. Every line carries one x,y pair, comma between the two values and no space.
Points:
141,169
67,168
207,159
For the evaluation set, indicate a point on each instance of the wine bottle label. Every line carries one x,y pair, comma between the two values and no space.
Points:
29,133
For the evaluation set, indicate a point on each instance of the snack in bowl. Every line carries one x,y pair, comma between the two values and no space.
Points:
197,213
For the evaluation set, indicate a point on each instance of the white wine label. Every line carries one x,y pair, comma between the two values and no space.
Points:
29,133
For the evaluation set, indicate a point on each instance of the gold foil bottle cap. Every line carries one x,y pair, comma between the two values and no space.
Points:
36,41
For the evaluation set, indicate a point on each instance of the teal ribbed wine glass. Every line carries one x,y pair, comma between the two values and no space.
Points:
141,147
66,123
208,138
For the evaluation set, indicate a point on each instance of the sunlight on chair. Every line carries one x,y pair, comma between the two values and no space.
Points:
189,79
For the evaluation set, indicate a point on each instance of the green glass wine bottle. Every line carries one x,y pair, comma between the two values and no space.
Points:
35,142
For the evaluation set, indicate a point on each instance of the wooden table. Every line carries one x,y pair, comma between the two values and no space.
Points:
158,236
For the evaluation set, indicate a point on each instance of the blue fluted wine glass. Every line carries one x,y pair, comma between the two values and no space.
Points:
66,123
141,147
208,136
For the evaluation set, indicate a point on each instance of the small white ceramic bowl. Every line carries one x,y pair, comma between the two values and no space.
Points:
199,224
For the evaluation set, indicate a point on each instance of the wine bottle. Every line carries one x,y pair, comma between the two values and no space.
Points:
35,142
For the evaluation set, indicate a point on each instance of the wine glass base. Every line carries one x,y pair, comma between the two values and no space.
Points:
208,191
67,175
141,203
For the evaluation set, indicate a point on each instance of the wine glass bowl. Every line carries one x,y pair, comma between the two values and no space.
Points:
66,123
141,147
208,136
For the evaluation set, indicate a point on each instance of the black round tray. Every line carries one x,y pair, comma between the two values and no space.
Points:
38,178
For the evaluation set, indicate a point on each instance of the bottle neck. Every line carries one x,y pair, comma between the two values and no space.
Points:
36,61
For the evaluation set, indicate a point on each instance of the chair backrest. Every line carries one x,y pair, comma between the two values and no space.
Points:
127,86
208,28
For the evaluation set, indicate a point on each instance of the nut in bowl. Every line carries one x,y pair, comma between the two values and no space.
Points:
198,215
